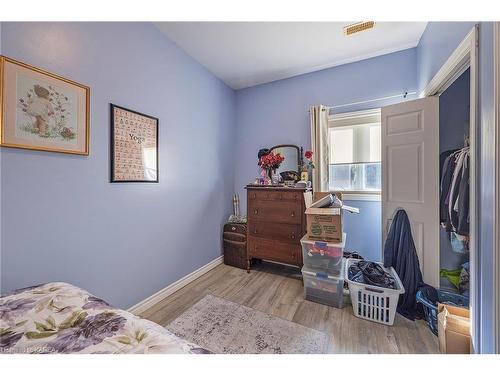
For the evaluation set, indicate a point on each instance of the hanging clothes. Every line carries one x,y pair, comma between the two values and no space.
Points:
443,157
455,212
400,253
447,176
462,204
454,195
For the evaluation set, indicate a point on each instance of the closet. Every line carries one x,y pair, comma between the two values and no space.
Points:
454,171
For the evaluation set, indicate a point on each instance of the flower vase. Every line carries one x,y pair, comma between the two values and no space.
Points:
275,179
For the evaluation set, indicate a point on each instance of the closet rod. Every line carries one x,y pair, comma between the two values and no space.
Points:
404,95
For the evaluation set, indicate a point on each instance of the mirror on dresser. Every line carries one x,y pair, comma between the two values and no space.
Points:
293,158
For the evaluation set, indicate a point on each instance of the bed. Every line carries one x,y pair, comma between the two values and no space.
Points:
62,318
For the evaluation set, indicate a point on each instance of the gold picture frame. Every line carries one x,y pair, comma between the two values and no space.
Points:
42,111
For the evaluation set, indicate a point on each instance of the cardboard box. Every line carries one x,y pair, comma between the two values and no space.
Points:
453,329
324,224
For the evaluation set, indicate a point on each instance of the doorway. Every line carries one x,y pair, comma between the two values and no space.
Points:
411,168
454,133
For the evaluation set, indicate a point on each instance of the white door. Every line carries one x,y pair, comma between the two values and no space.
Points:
410,174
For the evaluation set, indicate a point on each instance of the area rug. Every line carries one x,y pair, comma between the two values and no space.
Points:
222,326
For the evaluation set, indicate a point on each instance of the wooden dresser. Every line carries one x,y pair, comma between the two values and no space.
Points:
276,223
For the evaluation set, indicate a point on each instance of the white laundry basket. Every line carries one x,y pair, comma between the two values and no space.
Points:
373,302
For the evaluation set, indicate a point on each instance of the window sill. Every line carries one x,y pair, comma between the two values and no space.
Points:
355,196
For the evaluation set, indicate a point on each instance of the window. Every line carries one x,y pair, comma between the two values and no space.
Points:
355,152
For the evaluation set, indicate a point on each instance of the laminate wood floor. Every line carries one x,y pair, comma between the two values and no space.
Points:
277,290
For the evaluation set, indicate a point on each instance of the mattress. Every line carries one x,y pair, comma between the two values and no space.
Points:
62,318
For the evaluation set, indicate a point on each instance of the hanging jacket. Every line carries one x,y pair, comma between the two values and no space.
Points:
454,196
400,253
443,158
447,176
462,205
455,188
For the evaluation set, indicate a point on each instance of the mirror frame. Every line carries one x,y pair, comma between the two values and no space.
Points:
300,151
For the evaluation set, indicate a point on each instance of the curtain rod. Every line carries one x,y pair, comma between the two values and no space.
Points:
404,95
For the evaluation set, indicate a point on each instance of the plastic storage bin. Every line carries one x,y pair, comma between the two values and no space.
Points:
322,256
324,288
373,302
431,310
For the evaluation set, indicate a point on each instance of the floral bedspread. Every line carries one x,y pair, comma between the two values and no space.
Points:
61,318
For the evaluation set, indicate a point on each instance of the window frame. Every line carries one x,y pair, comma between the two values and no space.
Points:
354,118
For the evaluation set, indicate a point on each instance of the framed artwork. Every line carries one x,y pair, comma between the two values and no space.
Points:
42,111
134,146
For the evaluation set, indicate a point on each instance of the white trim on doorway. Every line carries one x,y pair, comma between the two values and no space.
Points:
466,56
453,68
496,244
150,301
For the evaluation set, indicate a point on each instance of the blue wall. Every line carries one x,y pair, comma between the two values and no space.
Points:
436,45
364,230
62,219
277,113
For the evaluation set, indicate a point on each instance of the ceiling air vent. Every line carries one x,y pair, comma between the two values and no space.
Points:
358,27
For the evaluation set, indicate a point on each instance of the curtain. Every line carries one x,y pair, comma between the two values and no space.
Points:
319,147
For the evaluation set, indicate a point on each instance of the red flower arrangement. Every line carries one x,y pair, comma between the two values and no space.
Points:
271,161
309,164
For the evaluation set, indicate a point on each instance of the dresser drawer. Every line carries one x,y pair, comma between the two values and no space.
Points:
274,250
238,248
235,254
236,237
282,232
235,228
275,195
276,212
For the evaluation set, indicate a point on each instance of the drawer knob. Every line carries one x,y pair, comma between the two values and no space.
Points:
233,228
293,236
256,211
293,214
254,196
255,231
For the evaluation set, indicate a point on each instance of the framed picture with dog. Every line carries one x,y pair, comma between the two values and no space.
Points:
42,111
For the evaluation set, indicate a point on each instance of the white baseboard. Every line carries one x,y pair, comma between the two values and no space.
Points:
145,304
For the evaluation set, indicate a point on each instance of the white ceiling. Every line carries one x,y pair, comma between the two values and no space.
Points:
245,54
